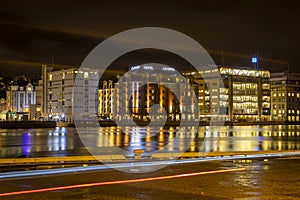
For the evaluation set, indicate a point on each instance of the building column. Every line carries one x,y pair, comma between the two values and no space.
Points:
230,98
259,96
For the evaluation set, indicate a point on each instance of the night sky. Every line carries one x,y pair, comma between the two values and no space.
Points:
34,31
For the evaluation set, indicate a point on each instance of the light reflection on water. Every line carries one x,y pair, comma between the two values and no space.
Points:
63,141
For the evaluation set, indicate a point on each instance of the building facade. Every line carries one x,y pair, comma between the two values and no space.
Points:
145,86
105,99
20,100
239,94
61,93
285,96
222,93
43,91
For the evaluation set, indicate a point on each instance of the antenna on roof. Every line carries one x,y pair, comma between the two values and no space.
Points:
254,60
222,57
52,61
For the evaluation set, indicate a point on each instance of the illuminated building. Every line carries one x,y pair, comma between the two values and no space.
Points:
39,100
42,90
285,95
134,99
19,99
60,93
241,94
105,99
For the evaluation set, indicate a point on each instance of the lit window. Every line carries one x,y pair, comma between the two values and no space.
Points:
50,77
86,75
289,94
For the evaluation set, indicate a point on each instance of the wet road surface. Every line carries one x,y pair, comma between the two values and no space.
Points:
262,179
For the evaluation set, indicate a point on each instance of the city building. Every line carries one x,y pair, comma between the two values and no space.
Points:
39,115
225,93
3,109
105,99
60,98
142,87
239,94
285,96
43,91
20,99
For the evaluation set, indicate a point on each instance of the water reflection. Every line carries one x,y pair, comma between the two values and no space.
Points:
14,143
61,141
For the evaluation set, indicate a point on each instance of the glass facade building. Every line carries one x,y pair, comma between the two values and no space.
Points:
241,94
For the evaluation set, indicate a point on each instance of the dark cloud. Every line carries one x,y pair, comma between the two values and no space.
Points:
33,31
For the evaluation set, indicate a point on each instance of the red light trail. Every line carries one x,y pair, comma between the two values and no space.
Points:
119,182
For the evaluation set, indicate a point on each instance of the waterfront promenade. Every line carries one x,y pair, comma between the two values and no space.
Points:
115,158
52,124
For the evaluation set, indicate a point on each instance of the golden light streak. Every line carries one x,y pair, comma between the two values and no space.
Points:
238,55
56,65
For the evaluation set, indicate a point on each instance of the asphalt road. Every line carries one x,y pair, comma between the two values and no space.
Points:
273,179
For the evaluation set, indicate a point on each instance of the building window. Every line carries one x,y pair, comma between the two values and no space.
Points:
86,75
